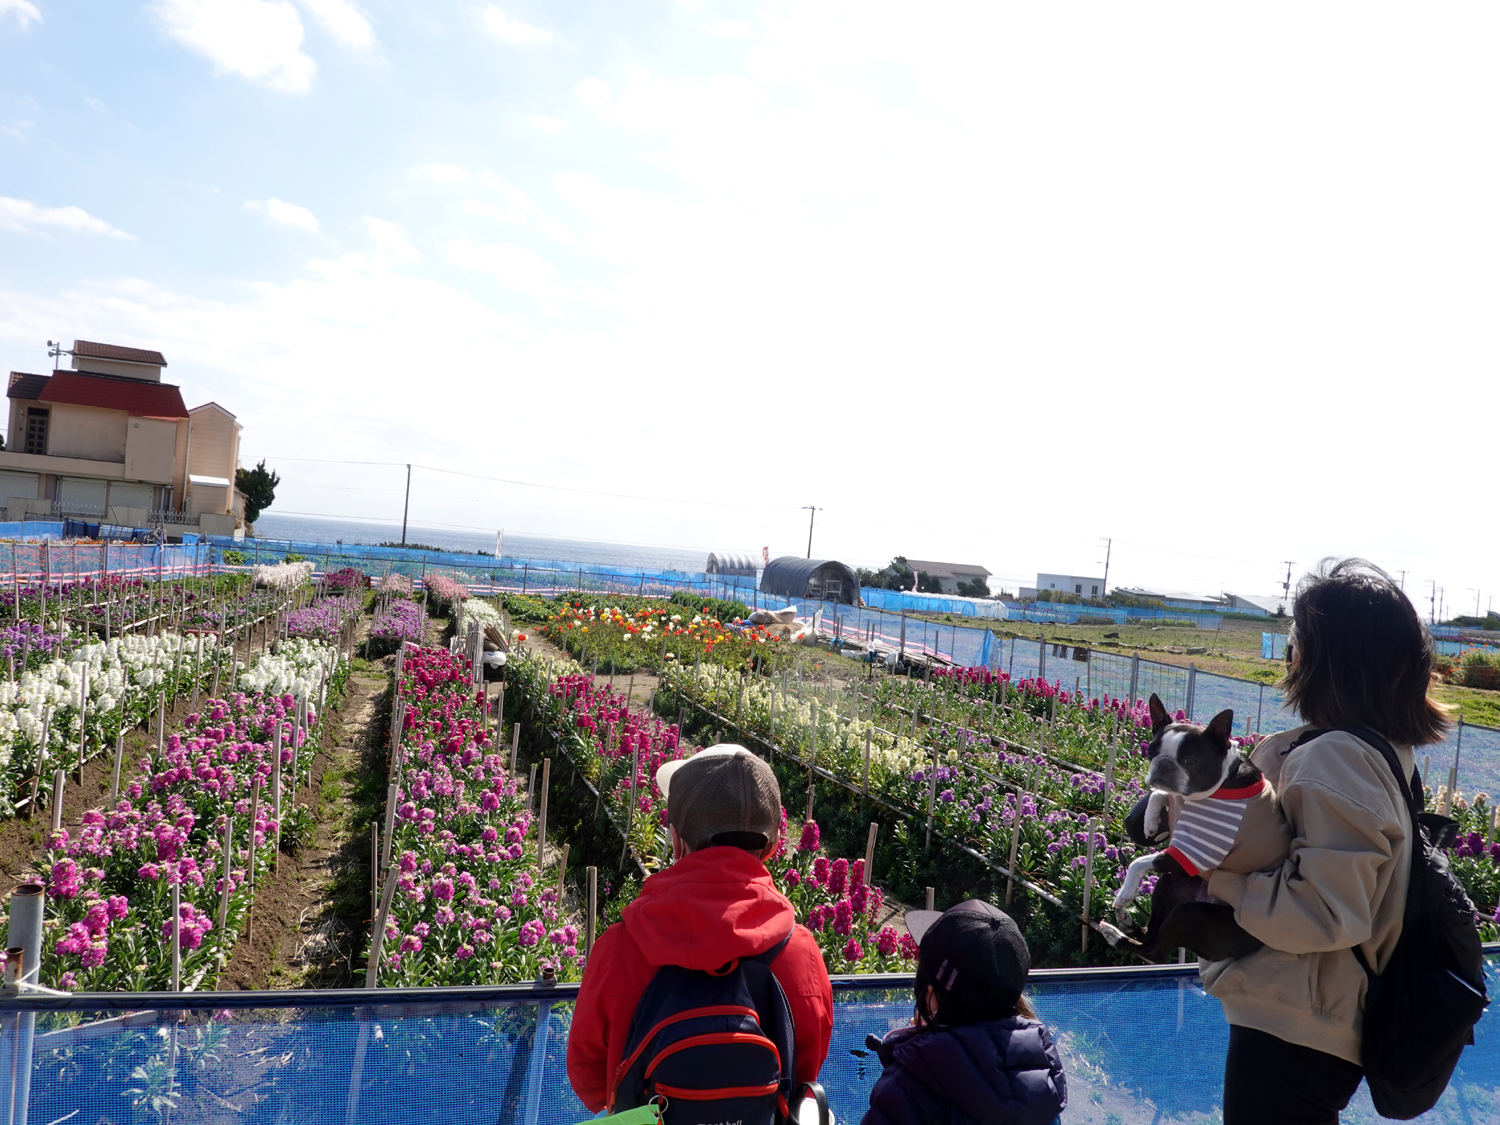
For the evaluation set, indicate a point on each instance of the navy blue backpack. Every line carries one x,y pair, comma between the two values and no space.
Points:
714,1047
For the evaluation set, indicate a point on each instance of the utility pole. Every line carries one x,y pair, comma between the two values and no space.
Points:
1286,587
1476,600
1403,581
406,507
812,514
1108,547
1442,601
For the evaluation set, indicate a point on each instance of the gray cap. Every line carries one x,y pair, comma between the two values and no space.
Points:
721,789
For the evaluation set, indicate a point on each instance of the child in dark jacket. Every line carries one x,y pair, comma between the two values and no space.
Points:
975,1051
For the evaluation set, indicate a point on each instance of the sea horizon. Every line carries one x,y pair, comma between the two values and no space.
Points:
320,529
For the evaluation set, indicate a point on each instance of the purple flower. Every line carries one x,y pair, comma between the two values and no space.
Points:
810,837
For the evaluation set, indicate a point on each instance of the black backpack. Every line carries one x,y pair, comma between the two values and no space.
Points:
715,1046
1420,1013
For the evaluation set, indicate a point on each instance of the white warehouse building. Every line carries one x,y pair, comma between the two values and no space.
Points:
1064,584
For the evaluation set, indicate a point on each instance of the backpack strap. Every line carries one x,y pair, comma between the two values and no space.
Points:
770,955
1411,792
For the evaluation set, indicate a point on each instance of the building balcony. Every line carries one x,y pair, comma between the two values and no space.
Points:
12,461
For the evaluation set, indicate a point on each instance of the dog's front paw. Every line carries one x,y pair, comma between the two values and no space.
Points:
1115,937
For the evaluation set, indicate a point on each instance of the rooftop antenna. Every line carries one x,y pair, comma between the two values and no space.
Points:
56,351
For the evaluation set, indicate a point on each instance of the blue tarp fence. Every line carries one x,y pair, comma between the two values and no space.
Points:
1139,1046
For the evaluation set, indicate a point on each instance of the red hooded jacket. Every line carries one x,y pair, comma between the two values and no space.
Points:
709,907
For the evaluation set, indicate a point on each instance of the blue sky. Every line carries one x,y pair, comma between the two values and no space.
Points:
985,282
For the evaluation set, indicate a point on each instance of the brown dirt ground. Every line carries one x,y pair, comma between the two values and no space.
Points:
291,931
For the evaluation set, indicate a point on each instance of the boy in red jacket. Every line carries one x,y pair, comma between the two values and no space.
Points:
715,903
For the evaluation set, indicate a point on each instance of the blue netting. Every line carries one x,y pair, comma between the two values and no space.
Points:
1138,1047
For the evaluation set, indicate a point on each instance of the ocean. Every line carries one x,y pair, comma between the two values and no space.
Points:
319,530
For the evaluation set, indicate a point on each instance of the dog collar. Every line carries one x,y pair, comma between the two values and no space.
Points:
1238,794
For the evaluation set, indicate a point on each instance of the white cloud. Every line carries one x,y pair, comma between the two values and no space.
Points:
344,21
287,214
593,92
24,12
727,29
390,240
513,31
513,266
260,40
449,174
546,124
21,215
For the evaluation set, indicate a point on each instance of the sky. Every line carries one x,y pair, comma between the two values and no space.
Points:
981,282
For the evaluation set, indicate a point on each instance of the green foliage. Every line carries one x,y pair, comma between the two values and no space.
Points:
926,584
258,485
976,588
293,556
895,575
720,609
420,547
234,558
526,607
297,829
1480,669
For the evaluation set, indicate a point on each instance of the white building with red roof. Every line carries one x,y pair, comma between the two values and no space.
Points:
109,441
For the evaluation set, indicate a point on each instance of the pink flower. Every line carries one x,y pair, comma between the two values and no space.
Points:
838,878
853,951
888,941
810,837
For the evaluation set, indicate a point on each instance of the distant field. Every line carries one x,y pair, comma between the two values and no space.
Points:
1233,650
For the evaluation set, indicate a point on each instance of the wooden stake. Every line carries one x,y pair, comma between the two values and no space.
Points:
870,853
562,871
928,899
59,778
541,834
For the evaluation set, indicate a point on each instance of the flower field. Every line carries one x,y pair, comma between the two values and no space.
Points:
973,783
226,780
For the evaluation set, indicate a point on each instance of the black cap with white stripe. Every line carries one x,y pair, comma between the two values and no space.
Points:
973,944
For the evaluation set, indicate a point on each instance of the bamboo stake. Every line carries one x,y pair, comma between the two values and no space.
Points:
1088,884
177,937
224,880
927,899
374,868
870,853
114,785
377,938
592,920
541,836
59,779
562,871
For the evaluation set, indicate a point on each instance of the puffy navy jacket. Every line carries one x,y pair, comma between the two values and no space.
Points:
1002,1072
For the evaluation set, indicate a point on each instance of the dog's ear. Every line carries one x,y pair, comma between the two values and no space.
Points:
1221,727
1159,716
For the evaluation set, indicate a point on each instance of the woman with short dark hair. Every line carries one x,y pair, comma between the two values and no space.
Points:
1358,657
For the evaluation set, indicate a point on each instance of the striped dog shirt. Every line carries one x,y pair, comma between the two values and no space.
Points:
1236,829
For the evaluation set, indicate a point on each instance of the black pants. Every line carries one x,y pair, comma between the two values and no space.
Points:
1268,1081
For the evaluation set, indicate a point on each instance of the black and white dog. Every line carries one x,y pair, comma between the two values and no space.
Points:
1222,813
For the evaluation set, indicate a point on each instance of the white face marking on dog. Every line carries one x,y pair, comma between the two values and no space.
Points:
1169,744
